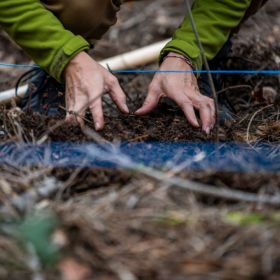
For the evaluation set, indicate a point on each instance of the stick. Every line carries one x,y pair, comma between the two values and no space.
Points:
205,61
232,195
115,156
252,119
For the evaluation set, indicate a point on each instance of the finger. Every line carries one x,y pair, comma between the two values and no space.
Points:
207,113
187,107
206,118
97,113
69,103
150,102
73,118
189,112
213,115
79,109
118,96
74,114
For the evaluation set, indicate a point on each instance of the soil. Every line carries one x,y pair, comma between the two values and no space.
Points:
117,224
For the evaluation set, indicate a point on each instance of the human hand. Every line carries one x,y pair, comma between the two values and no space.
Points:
86,81
183,89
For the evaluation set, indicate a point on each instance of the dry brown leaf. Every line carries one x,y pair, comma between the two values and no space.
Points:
267,95
200,267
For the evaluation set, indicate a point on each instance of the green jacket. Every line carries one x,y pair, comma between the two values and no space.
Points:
40,34
50,45
215,20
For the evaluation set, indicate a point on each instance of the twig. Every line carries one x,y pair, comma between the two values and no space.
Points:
206,65
210,190
252,119
68,183
45,136
233,87
114,155
242,119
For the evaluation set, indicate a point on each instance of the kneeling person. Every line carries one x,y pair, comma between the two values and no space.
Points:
56,34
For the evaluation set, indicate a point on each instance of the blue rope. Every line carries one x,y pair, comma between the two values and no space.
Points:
19,65
149,71
246,72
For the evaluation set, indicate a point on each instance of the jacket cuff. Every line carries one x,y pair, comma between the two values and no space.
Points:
76,45
183,48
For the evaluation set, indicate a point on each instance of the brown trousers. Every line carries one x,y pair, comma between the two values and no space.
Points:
255,6
92,18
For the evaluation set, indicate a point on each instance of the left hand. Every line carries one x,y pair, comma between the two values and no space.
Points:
183,89
86,81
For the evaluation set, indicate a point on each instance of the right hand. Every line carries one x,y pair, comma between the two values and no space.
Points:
183,89
86,82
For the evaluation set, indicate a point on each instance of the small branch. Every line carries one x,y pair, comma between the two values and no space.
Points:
210,190
114,155
252,119
234,87
206,65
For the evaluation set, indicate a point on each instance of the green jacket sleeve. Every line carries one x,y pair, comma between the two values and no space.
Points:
40,34
214,19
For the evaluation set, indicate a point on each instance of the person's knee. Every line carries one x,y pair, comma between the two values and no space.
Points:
89,18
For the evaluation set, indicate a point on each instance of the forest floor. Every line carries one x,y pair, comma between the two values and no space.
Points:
115,223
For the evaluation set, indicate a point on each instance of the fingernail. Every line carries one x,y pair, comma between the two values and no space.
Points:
194,123
97,126
125,108
207,130
69,118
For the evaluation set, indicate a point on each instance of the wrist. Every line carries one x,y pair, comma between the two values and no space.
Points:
79,61
76,60
173,55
